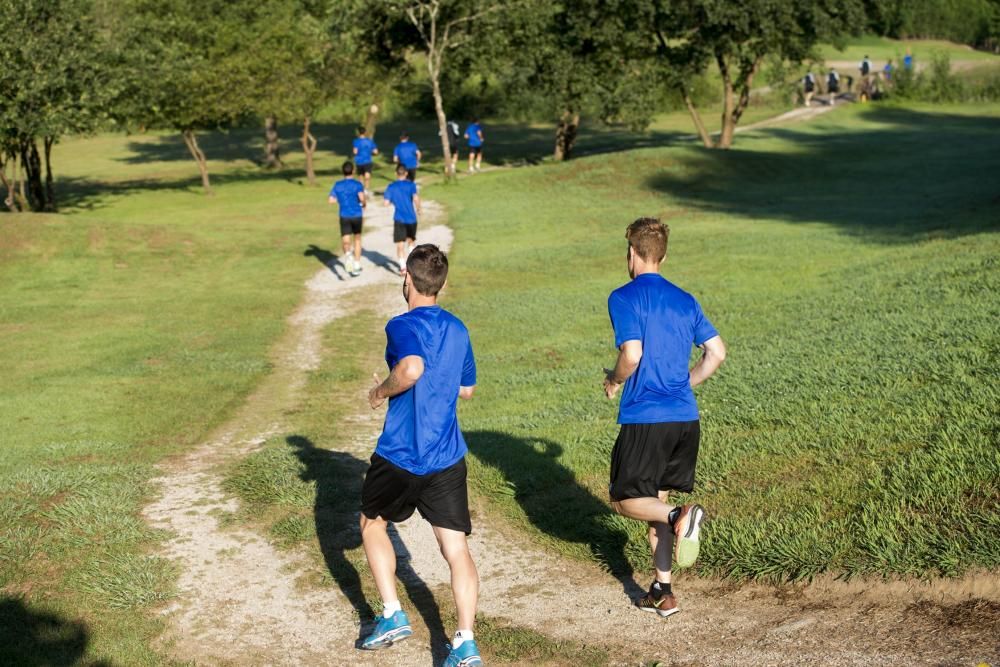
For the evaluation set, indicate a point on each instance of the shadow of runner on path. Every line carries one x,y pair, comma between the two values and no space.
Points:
339,477
31,637
554,501
327,259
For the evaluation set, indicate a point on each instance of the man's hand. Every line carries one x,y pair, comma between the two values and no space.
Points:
610,386
374,398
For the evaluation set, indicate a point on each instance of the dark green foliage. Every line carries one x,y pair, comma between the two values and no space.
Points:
52,84
973,22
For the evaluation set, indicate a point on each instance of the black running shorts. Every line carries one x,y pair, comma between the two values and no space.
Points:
649,458
476,150
403,230
364,169
411,174
350,226
393,493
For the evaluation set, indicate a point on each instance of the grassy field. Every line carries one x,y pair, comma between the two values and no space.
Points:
850,263
131,323
882,48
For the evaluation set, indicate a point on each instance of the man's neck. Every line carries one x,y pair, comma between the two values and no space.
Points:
643,268
418,300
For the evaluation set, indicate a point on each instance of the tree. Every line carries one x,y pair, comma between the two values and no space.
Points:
191,66
52,84
295,80
584,57
736,37
444,25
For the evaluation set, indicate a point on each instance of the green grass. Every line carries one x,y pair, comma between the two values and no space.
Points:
131,323
851,265
882,48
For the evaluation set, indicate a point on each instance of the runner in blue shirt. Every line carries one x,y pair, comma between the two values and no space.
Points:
407,154
474,133
419,462
364,148
402,194
350,197
655,324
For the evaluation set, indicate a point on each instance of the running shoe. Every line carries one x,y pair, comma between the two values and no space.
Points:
357,266
665,606
388,630
687,527
466,655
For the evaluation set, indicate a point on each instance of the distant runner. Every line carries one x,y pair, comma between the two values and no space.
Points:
453,137
833,85
419,462
408,155
809,86
655,324
364,149
402,194
350,197
474,133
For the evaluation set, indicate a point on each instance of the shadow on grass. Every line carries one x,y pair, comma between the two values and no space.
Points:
35,638
901,176
339,477
327,259
554,501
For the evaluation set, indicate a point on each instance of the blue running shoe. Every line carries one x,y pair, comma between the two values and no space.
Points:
387,631
466,655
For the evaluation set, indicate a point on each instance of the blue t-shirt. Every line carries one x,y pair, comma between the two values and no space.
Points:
400,194
421,431
406,153
365,147
668,321
473,131
346,191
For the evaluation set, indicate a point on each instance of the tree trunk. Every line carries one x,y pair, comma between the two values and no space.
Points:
192,143
696,117
726,135
49,190
435,72
309,147
732,109
371,120
9,185
272,145
31,162
566,131
19,185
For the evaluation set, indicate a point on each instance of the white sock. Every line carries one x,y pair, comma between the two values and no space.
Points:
390,608
461,636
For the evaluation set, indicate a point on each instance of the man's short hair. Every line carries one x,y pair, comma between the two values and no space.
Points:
648,238
401,169
428,268
362,129
348,168
404,136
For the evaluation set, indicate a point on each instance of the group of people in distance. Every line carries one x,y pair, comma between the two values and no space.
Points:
871,81
419,459
351,195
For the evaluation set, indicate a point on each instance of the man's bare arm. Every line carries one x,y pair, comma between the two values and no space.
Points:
403,376
416,205
714,353
629,356
466,392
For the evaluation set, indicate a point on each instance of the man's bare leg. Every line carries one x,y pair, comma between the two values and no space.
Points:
345,244
464,577
401,255
655,512
472,158
381,556
357,248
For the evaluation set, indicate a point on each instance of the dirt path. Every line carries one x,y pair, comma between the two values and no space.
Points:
240,600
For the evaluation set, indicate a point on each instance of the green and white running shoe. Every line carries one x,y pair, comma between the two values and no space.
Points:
687,527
